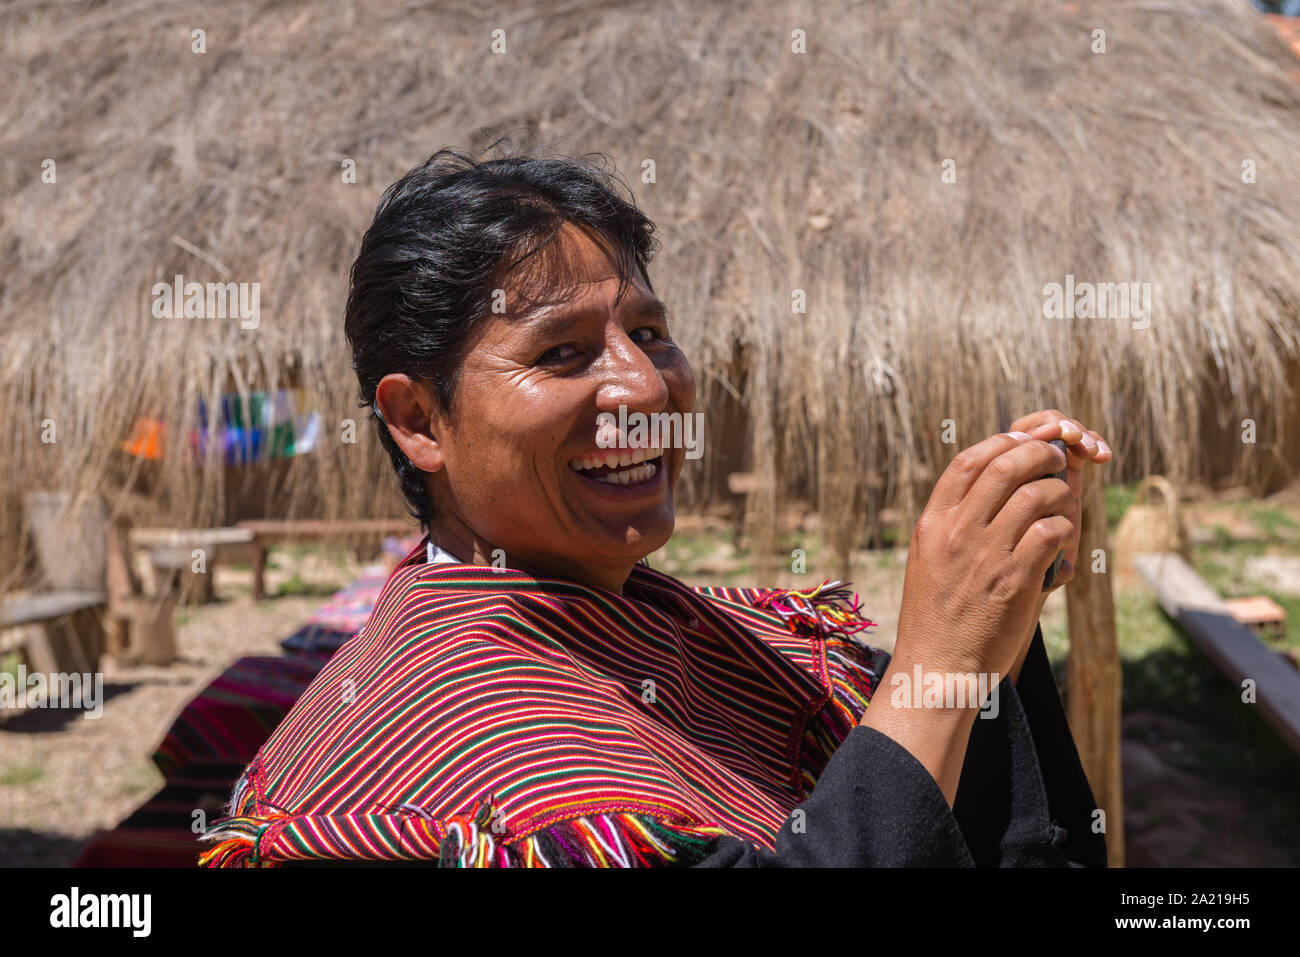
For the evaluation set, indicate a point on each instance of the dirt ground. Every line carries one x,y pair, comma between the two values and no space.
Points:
1173,818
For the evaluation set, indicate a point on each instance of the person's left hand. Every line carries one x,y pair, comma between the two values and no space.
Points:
1082,445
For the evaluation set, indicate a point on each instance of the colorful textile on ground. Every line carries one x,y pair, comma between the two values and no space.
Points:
484,717
216,735
160,833
337,620
234,715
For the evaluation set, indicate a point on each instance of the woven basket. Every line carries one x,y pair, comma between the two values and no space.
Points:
1148,526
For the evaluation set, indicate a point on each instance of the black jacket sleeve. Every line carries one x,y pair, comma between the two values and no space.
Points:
1022,799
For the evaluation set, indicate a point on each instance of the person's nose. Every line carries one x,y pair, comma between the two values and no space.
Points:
630,378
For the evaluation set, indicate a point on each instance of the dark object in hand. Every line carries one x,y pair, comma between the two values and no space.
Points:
1050,578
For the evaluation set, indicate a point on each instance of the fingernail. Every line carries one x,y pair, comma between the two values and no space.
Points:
1104,447
1088,442
1022,436
1068,426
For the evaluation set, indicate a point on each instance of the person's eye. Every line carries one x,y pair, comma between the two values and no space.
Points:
558,355
654,334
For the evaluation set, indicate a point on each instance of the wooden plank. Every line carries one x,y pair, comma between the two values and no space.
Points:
1188,599
271,529
68,636
190,538
1177,585
49,606
1093,686
267,531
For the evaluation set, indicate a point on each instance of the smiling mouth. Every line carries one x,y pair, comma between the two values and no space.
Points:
623,467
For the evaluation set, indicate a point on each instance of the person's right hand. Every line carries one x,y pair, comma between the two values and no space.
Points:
978,554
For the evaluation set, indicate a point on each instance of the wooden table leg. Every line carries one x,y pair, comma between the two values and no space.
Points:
259,569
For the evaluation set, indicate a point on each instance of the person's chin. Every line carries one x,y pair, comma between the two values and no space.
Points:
635,537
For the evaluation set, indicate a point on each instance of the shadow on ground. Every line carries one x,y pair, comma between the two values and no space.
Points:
1207,780
20,847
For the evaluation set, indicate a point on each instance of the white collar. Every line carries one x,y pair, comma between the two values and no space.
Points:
434,555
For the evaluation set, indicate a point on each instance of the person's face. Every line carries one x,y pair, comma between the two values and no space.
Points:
524,419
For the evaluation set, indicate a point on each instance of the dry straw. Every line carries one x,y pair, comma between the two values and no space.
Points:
774,170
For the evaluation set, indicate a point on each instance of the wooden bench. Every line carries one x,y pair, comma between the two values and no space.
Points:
69,635
1235,651
271,531
171,554
113,615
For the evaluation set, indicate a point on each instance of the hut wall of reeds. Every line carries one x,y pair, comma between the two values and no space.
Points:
860,207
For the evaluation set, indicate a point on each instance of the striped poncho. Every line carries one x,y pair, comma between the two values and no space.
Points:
487,717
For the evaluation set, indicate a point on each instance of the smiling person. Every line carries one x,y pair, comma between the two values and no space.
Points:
529,692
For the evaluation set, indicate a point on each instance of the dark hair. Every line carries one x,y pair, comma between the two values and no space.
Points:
440,244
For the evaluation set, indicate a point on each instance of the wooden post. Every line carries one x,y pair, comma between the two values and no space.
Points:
122,585
1093,691
153,630
259,569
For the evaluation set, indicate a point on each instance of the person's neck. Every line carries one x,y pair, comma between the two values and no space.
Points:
461,542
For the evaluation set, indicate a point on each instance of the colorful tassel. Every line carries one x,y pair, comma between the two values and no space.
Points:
237,838
854,673
830,608
470,840
615,840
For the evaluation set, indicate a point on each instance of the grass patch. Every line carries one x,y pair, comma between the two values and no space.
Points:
684,549
1274,522
9,663
296,586
1118,499
16,775
1224,564
142,777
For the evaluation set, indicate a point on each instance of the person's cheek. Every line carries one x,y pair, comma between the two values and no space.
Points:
685,400
681,381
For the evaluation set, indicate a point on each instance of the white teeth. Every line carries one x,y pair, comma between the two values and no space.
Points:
621,459
637,473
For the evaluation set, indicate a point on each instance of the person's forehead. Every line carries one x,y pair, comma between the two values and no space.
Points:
575,273
584,307
571,255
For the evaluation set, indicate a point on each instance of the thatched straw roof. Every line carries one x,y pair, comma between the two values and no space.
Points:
774,171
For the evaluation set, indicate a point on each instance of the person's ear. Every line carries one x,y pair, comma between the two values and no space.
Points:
409,412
